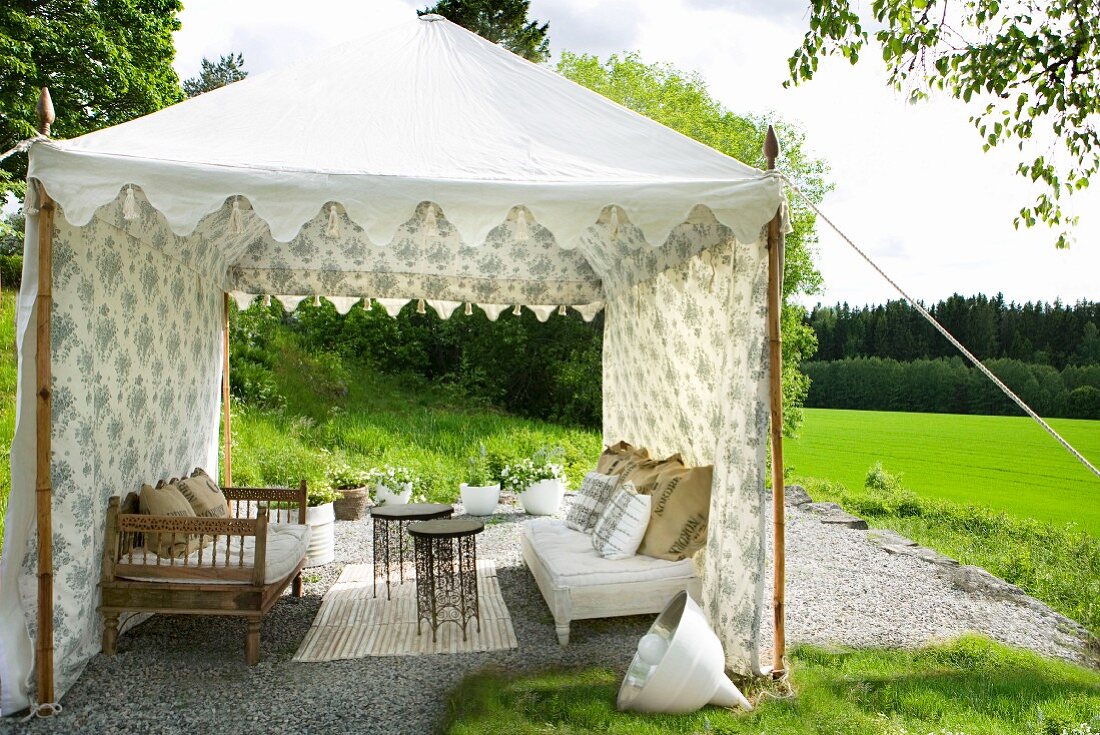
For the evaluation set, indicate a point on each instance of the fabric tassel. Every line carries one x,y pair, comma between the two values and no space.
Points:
366,303
469,310
316,300
431,225
129,204
420,307
236,222
521,225
333,229
562,310
614,222
267,300
30,202
518,310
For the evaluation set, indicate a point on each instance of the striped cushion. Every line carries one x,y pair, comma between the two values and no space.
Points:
590,501
622,525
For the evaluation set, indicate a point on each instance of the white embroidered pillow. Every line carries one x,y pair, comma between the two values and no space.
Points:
622,525
590,501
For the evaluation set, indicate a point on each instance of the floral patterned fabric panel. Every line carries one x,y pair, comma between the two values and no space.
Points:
686,370
426,259
136,374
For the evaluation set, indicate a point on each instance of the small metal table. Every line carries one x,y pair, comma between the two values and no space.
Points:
446,572
391,543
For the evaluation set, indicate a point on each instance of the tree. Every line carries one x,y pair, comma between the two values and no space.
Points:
681,101
104,62
500,21
1034,66
226,70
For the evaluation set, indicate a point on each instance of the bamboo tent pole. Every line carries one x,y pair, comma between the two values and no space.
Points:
44,386
775,374
227,438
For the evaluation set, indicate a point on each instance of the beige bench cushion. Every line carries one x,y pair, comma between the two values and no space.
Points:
286,546
572,562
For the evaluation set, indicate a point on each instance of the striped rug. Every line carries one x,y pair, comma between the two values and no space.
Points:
353,623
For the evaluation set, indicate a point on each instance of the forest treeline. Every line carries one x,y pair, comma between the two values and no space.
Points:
889,358
1046,334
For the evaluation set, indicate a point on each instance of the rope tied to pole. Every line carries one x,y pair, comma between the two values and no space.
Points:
940,328
43,710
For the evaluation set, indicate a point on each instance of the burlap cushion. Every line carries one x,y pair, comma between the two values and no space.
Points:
205,497
678,516
643,472
617,455
167,500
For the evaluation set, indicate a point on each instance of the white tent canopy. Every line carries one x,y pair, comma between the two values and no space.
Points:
419,163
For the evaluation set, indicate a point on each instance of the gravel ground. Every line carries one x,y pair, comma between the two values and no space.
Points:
187,674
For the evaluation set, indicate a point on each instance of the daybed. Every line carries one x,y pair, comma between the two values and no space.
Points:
626,544
578,583
239,564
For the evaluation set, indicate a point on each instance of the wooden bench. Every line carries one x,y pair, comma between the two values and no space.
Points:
227,575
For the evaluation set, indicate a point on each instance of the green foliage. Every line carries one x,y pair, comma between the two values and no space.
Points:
970,686
500,21
952,386
1058,564
682,102
226,70
332,409
1004,463
1031,66
479,470
8,378
104,62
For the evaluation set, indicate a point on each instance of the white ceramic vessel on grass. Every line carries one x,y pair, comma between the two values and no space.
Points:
322,539
543,498
400,495
480,500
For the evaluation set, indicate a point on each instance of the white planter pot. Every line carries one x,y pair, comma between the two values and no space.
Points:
480,500
543,498
387,496
322,540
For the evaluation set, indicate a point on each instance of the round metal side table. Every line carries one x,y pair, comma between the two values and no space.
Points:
391,542
446,572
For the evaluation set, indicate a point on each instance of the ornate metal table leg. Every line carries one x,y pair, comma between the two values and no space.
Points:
467,582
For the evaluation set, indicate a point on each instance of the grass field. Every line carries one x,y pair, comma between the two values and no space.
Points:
1000,462
968,687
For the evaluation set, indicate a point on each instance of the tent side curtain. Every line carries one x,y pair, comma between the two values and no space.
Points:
685,369
136,345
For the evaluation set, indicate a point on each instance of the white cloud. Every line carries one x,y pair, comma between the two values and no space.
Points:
912,185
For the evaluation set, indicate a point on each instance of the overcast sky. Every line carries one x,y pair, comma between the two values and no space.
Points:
912,186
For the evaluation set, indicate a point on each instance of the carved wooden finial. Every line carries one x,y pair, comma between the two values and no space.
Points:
45,112
771,147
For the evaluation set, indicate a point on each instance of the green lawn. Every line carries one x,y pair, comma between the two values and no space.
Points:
1001,462
8,370
968,687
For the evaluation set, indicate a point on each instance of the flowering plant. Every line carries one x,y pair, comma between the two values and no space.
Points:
319,494
342,476
390,476
517,476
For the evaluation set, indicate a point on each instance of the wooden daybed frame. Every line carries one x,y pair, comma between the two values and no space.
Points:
216,585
